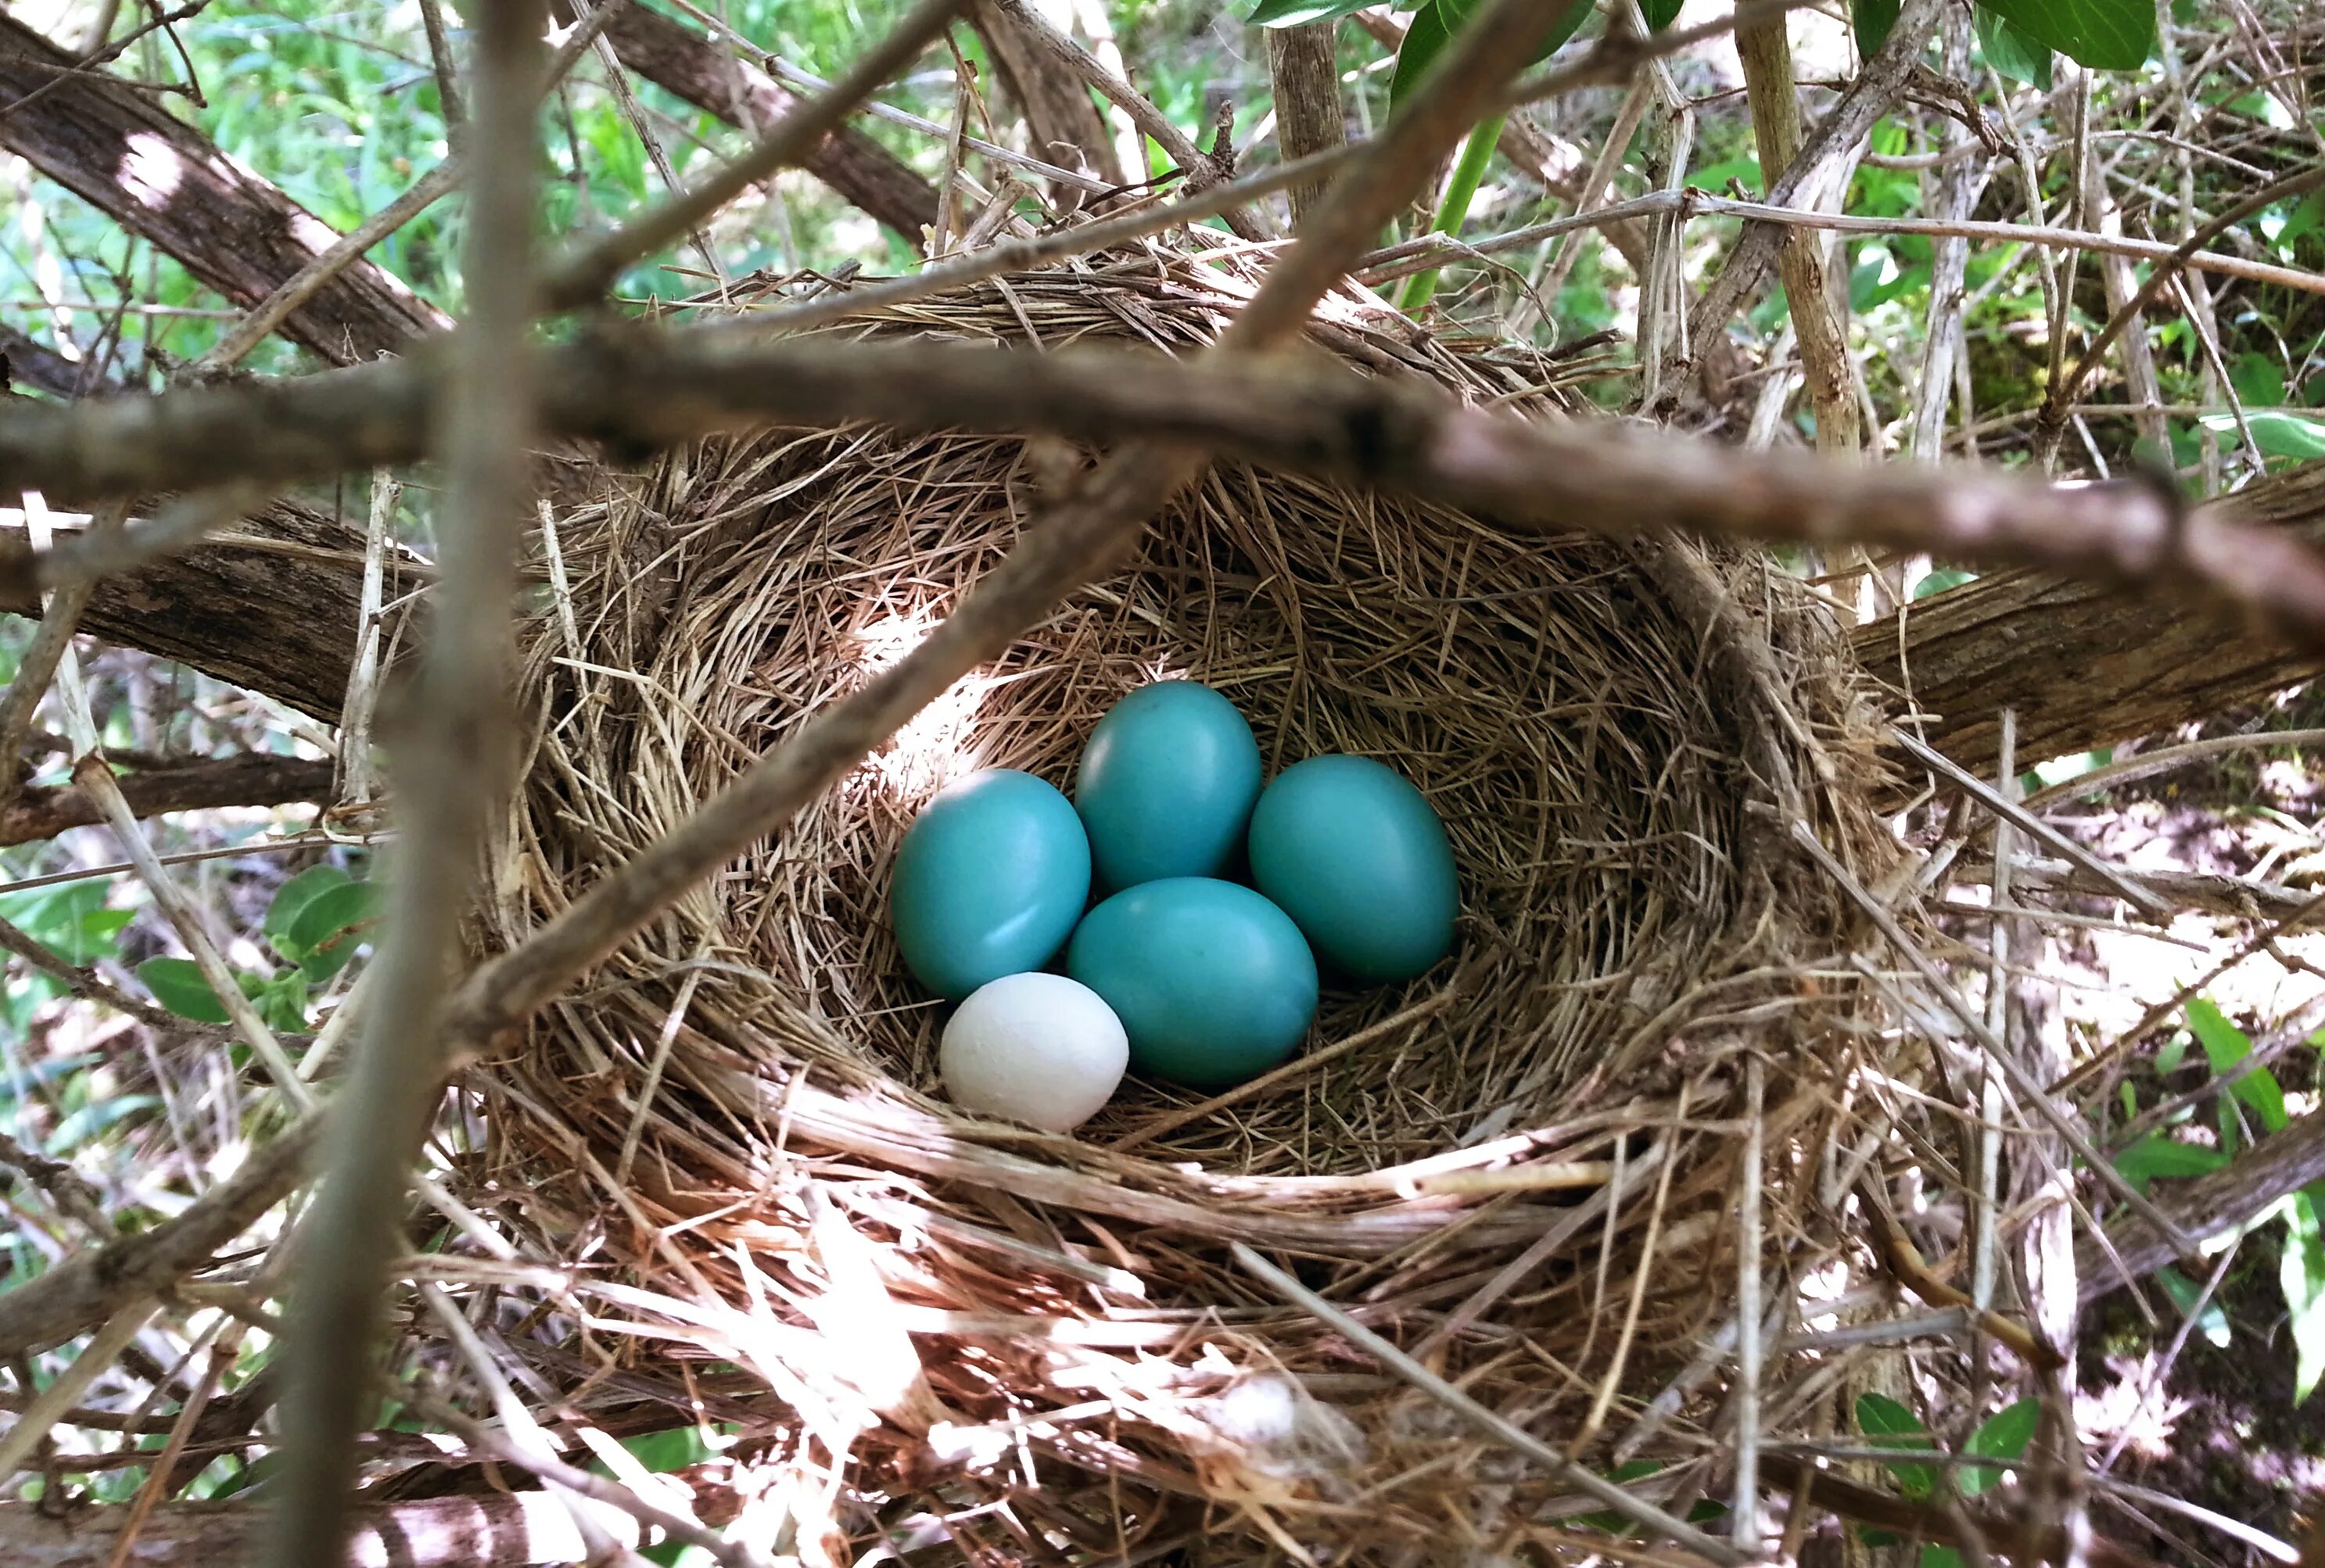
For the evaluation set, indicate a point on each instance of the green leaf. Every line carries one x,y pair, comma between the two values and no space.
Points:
2224,1046
283,1002
2284,434
2214,1324
1424,40
178,985
1941,1557
1292,13
2156,1155
2104,35
2004,1435
1940,580
675,1449
2300,1270
1660,14
2258,379
330,927
1873,19
2014,53
295,896
1433,27
1890,1425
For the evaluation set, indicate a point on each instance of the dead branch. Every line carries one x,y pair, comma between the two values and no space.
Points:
2204,1206
206,783
590,268
455,767
2086,662
639,390
1301,64
1868,99
226,607
682,62
89,1287
160,179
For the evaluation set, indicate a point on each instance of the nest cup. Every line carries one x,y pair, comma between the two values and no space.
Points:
1524,1165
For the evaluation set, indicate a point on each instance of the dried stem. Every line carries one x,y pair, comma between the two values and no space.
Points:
456,764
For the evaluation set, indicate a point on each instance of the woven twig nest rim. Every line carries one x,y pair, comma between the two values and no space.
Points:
1528,1133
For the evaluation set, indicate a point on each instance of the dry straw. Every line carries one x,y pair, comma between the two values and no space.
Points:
1523,1169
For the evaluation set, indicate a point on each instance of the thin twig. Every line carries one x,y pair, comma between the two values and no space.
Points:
1485,1421
589,269
457,764
2061,1121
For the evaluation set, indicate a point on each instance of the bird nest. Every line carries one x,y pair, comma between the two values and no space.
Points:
1545,1169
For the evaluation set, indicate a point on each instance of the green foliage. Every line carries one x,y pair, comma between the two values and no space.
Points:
1889,1425
2301,1272
1433,27
1872,20
315,922
2001,1437
2004,1436
2156,1155
1661,14
2104,35
1940,580
2012,50
2214,1324
2224,1046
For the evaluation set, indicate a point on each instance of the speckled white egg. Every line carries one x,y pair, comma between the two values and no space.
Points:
1035,1048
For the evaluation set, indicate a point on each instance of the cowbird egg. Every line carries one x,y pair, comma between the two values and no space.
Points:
1213,983
1358,858
1166,784
988,881
1035,1048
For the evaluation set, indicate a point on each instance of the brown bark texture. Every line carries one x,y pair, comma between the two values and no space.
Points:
689,66
161,180
2083,663
1055,102
202,783
2280,1163
1306,77
275,610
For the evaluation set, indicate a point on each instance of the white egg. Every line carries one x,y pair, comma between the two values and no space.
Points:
1039,1049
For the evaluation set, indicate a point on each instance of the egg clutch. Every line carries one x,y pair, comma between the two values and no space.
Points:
1180,971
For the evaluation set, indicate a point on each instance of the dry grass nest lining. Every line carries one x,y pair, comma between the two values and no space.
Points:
759,1064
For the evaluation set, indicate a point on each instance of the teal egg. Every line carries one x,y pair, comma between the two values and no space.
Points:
1357,858
1212,982
989,880
1166,784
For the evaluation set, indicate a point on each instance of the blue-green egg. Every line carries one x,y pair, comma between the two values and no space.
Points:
989,881
1357,858
1212,982
1166,784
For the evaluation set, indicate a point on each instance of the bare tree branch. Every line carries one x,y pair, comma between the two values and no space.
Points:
256,779
639,390
682,62
158,177
1303,67
454,766
590,269
1868,99
89,1287
2205,1206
